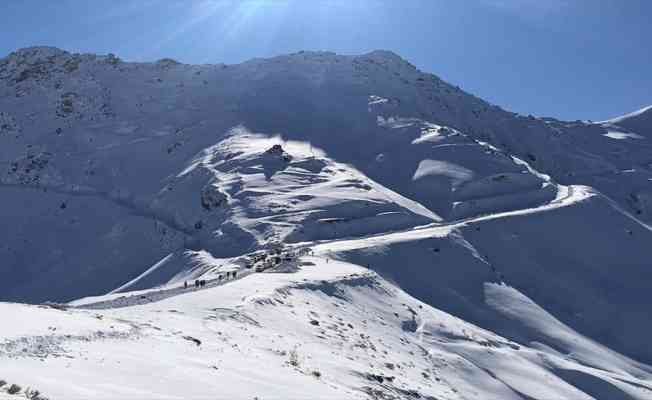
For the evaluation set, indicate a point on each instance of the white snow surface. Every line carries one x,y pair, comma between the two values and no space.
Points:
331,329
448,249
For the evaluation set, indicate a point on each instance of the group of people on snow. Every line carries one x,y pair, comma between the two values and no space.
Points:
261,260
200,283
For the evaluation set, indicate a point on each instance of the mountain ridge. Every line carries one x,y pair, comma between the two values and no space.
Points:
422,138
125,181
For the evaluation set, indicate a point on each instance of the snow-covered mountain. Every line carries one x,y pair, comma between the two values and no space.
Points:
437,246
636,124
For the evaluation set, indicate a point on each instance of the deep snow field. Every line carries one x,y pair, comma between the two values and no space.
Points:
430,245
330,330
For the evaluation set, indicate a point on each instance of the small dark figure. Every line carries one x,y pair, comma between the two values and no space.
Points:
219,278
234,274
196,283
202,283
185,284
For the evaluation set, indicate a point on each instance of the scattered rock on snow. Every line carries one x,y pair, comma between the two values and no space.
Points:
278,151
212,197
13,389
192,339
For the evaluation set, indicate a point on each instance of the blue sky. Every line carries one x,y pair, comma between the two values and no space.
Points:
570,59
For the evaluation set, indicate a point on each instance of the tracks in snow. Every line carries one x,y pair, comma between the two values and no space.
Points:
152,296
568,195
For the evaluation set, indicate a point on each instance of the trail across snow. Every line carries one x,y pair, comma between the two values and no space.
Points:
150,296
568,196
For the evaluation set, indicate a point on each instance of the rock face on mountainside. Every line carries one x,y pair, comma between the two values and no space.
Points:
109,169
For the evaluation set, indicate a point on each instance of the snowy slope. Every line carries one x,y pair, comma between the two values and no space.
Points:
119,160
330,330
636,124
577,274
279,192
513,249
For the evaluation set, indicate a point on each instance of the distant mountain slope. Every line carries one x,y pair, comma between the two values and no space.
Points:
637,123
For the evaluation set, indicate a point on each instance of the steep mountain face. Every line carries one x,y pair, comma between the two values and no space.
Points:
79,130
121,176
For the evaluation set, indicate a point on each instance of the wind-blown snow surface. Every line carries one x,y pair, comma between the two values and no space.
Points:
329,330
131,178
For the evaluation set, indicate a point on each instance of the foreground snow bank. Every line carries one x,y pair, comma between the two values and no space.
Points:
329,330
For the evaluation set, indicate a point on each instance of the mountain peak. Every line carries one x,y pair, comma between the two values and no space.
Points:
387,57
385,54
38,53
638,122
643,112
